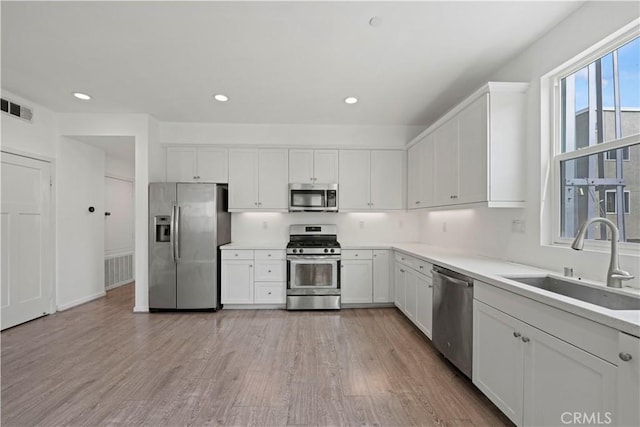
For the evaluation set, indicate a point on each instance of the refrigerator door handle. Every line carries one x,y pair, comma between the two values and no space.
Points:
172,237
177,234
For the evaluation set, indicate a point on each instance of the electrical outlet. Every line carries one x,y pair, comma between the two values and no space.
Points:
265,225
361,224
444,226
518,226
400,223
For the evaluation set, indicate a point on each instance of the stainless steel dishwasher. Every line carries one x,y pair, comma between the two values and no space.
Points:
452,332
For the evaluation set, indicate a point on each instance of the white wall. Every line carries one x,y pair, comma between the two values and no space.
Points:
80,242
36,138
352,227
288,135
119,167
489,231
141,127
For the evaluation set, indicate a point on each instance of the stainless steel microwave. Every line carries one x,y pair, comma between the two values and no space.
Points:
313,197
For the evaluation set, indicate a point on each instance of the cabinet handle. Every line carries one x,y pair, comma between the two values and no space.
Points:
255,203
356,254
195,177
421,267
250,265
525,339
625,356
269,255
269,271
517,334
269,293
430,286
235,254
401,270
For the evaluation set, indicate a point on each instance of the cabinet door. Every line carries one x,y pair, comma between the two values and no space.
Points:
326,166
410,294
273,179
387,180
627,413
355,180
473,152
212,165
398,285
561,378
446,163
414,184
382,286
301,166
237,282
243,179
181,164
356,281
427,172
424,303
498,359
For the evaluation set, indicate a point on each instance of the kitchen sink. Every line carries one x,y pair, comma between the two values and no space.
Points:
604,297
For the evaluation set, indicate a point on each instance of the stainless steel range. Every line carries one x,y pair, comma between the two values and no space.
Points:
313,268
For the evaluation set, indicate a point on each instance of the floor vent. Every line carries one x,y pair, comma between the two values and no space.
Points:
118,270
16,110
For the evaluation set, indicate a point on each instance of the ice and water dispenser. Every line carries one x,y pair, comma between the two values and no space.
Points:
163,228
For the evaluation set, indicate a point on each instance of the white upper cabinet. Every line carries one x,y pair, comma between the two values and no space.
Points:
387,180
258,179
474,154
421,163
354,189
203,164
371,180
313,166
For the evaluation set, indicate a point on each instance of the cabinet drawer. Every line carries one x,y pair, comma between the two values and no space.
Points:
269,271
402,258
237,254
269,254
357,254
423,267
269,293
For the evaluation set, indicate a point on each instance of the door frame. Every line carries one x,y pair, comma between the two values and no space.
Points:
53,259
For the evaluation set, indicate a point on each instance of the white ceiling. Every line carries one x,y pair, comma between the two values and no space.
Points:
279,62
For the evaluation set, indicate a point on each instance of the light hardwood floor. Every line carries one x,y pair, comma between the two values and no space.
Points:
100,364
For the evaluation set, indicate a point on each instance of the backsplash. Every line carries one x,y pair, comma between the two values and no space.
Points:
352,227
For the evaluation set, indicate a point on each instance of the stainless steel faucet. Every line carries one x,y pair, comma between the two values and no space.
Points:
615,275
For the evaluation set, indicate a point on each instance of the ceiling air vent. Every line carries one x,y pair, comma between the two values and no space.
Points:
16,110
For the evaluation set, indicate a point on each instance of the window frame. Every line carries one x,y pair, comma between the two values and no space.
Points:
551,99
627,204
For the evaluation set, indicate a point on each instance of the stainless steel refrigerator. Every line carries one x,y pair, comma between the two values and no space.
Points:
187,225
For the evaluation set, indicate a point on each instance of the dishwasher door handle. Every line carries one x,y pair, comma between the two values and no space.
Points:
453,280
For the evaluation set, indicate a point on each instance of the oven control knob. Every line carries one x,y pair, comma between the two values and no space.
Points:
295,250
333,250
326,250
301,251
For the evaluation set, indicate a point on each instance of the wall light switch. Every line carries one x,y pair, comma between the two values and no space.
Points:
361,224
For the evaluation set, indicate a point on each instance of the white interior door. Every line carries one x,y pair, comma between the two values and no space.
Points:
119,224
26,282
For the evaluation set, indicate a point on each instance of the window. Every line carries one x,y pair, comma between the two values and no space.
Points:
597,149
611,205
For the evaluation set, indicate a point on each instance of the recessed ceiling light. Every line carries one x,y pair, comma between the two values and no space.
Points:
350,100
82,96
220,97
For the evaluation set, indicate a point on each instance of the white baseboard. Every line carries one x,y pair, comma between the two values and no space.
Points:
117,285
141,309
67,306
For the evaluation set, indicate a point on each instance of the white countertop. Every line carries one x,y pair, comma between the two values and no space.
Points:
490,270
250,246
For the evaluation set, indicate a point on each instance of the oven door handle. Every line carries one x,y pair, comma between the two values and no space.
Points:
312,257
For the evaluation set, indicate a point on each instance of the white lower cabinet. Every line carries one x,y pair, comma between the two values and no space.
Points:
237,282
382,277
253,277
424,303
627,411
535,378
400,275
356,281
413,290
